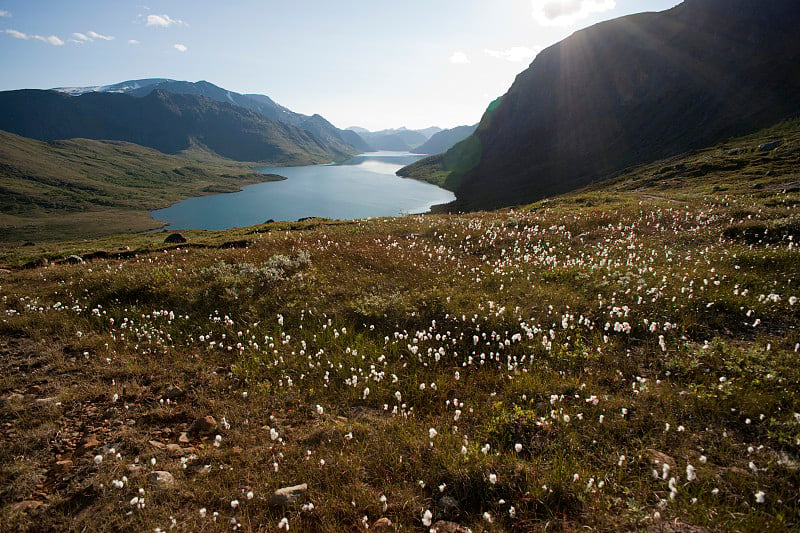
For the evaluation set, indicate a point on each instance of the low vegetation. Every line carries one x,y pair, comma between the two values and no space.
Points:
80,188
621,358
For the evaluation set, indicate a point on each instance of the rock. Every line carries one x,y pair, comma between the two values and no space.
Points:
161,477
175,238
15,397
64,466
36,263
770,146
658,458
74,260
156,444
448,506
443,526
287,496
383,525
87,444
45,401
134,469
175,450
184,438
204,426
173,393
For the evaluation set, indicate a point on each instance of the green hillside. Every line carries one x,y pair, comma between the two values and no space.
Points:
83,188
622,358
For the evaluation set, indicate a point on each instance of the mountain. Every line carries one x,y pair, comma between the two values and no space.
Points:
165,121
631,91
397,140
264,105
445,139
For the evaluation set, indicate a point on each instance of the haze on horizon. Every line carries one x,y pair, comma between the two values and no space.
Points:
365,63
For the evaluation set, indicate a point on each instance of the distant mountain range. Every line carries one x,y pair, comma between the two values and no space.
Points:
445,139
399,140
337,140
168,122
629,91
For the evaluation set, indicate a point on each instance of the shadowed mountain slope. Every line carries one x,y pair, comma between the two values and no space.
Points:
631,91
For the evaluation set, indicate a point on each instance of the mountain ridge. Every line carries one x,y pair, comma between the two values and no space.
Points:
693,75
168,122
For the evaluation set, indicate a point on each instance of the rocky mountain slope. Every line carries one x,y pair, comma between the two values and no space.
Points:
696,74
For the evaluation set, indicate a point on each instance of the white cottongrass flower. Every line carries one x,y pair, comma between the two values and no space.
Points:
203,511
284,524
493,479
98,459
234,504
427,518
432,433
518,447
691,475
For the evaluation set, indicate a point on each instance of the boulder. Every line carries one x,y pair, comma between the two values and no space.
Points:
204,426
161,477
175,238
287,496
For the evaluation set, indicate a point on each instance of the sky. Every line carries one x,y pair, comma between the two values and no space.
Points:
371,63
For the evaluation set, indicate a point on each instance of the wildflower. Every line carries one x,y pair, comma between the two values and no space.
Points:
217,441
518,447
691,475
320,409
98,459
760,496
234,504
284,524
203,512
487,517
493,479
427,518
250,495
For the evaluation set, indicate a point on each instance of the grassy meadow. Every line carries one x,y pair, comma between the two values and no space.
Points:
624,358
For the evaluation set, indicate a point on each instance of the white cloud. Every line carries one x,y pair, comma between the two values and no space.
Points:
55,41
459,58
16,34
163,21
4,13
180,47
568,12
515,54
81,37
95,35
133,41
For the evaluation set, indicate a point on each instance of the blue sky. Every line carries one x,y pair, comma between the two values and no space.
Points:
372,63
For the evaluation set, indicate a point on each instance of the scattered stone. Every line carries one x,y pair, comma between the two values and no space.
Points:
184,438
64,466
204,426
15,397
156,444
659,458
287,496
770,146
448,506
175,238
443,526
173,393
175,450
161,477
88,444
45,401
36,263
383,525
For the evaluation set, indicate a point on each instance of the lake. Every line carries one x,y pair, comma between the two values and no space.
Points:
363,187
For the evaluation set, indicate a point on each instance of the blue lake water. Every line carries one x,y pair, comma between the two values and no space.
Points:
365,186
